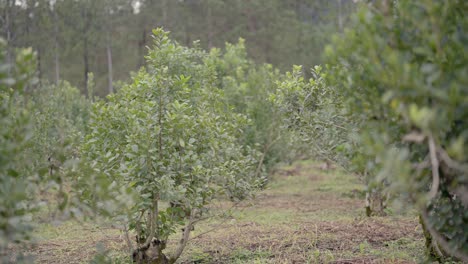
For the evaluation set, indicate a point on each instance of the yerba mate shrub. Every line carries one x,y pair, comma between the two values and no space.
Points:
171,138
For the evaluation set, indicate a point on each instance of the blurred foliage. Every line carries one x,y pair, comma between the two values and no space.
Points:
15,134
41,127
392,106
402,70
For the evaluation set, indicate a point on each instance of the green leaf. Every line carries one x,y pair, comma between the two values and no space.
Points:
135,148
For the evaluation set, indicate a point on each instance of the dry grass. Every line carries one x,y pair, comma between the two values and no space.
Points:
307,216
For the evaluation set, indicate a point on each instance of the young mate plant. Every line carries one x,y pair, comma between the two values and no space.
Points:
171,138
315,111
246,86
59,121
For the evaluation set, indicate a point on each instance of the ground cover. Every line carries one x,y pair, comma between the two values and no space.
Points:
305,215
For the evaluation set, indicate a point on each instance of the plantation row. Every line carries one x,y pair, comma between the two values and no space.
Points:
193,127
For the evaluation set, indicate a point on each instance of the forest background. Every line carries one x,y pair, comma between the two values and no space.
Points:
110,37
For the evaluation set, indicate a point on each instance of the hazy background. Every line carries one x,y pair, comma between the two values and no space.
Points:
109,37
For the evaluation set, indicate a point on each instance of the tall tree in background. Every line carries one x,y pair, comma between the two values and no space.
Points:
7,21
110,10
54,15
86,16
110,38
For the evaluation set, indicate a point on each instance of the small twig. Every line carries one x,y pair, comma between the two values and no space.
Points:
211,216
210,230
450,162
331,124
127,238
422,165
153,218
266,149
185,238
414,137
138,225
435,168
218,225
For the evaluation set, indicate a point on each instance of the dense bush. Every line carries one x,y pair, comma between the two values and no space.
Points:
246,86
315,111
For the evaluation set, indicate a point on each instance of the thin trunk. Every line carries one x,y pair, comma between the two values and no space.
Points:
39,63
252,21
187,35
85,47
86,62
299,48
340,18
109,29
141,47
188,31
9,55
109,62
56,44
164,13
185,237
210,27
28,25
368,205
249,16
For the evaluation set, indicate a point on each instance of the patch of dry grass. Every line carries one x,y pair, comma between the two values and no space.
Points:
306,216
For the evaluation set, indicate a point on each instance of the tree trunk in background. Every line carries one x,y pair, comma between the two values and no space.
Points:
29,23
252,21
340,17
67,32
84,14
141,47
85,61
299,48
188,31
164,14
9,52
109,62
210,27
56,49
